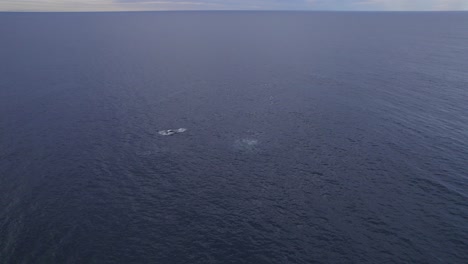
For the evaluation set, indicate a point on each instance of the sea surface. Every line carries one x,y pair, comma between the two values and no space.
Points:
312,137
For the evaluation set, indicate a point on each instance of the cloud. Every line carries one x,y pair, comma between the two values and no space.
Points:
134,5
421,5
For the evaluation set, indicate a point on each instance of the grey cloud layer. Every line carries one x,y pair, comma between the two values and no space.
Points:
119,5
327,4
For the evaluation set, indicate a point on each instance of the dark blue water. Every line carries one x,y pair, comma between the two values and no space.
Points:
312,137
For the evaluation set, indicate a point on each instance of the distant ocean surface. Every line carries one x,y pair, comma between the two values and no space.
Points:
312,137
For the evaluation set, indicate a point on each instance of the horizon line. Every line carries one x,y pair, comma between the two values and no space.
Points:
242,10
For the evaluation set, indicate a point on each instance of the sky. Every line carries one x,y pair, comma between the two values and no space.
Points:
148,5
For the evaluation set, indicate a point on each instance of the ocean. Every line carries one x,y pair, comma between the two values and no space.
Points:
312,137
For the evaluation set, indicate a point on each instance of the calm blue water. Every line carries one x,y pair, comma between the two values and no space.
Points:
312,137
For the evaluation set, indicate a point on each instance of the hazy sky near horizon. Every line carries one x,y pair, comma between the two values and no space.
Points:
135,5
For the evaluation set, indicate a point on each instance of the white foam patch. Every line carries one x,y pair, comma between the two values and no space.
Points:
246,144
170,132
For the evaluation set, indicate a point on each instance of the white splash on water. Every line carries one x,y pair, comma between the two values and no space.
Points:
170,132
